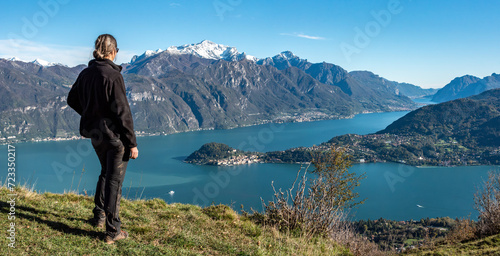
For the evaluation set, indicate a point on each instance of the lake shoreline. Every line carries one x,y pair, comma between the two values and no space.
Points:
160,169
7,141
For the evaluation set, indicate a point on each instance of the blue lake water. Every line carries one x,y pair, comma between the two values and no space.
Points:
424,100
392,191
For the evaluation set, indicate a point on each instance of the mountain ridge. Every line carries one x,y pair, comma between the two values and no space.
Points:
181,90
465,86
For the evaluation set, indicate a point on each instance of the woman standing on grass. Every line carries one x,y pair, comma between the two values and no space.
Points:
98,95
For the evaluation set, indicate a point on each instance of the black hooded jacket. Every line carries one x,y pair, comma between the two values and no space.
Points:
99,96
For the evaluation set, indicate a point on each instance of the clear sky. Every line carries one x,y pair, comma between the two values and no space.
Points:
424,42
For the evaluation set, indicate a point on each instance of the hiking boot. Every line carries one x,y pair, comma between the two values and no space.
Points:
120,236
98,221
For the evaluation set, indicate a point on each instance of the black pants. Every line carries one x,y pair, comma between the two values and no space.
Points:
114,159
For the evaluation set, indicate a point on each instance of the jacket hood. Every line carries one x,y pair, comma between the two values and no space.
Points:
102,62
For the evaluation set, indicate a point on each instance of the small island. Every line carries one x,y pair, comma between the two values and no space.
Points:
221,154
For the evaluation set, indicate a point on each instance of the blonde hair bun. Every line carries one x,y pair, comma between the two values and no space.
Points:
105,44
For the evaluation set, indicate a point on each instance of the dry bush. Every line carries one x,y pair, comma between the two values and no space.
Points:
295,211
487,202
318,207
463,230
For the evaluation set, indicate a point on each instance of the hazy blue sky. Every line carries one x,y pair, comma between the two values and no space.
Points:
423,42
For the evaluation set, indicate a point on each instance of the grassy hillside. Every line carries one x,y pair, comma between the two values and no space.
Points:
55,224
485,246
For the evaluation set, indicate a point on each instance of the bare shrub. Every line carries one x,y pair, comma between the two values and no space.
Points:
318,207
487,202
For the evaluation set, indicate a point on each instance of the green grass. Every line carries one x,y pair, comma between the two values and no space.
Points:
485,246
56,224
411,241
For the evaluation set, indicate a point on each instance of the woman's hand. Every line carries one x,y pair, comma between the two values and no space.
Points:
134,153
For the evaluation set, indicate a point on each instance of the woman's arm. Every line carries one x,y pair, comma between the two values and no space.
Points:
73,100
119,106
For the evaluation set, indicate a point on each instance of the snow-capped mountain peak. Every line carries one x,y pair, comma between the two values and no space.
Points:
145,55
150,53
205,49
38,62
283,60
288,55
15,59
208,50
250,57
43,63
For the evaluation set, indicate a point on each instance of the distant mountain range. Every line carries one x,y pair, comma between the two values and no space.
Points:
32,100
371,80
466,86
38,62
191,87
224,88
